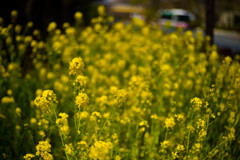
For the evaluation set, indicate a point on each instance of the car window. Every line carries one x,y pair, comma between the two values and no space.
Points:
166,16
183,18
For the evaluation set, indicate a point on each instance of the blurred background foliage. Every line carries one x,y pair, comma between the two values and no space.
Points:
42,12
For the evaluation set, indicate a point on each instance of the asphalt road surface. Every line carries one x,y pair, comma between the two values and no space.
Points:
227,40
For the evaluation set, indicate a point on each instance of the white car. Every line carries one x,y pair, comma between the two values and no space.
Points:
176,18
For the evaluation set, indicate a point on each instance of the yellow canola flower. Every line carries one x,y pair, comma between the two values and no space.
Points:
196,148
69,149
82,145
43,150
13,66
103,100
179,117
46,101
180,148
81,81
82,100
175,155
78,16
138,22
7,100
28,156
196,102
57,46
1,21
63,123
36,32
64,79
201,123
14,14
33,121
76,66
29,24
122,95
42,133
65,25
100,150
39,92
169,123
101,10
165,144
70,31
97,114
18,111
52,26
144,124
84,115
18,28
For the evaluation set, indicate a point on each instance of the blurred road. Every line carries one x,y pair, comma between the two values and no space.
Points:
227,40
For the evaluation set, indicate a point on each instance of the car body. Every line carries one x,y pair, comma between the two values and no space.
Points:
176,18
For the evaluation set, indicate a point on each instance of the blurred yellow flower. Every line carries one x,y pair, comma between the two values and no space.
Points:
46,101
52,26
169,123
78,16
76,66
81,100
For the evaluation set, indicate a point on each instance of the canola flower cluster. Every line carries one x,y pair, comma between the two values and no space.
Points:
62,122
7,100
100,150
76,66
43,150
82,100
46,101
115,91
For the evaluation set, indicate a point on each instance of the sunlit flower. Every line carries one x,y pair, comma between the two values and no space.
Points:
169,123
28,156
100,150
76,66
78,16
46,101
101,10
52,26
196,102
81,100
43,150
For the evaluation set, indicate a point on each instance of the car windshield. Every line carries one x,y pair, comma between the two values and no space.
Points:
166,16
183,18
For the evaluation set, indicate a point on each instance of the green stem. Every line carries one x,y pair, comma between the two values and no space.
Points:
75,124
189,132
214,149
96,138
78,126
166,134
63,144
102,127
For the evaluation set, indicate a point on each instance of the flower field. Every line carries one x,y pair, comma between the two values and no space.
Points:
115,91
